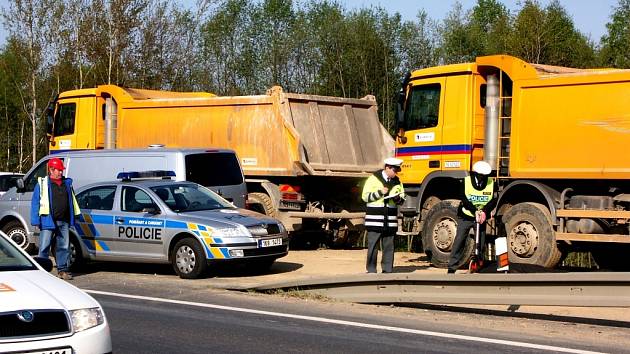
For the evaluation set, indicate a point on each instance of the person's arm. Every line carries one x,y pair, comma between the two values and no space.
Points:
370,191
35,206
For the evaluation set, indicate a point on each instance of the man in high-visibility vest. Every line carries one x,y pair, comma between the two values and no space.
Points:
53,209
476,206
382,192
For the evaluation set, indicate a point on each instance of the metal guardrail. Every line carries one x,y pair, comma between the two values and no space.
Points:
548,289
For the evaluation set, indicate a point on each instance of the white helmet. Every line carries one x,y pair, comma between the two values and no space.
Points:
482,168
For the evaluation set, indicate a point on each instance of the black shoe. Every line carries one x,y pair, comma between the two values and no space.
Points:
451,271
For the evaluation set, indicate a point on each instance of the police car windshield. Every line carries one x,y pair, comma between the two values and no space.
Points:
190,197
11,259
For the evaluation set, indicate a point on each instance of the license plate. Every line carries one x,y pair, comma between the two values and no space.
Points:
270,242
66,350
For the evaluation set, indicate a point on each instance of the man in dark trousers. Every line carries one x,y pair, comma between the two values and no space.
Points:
53,209
478,191
383,192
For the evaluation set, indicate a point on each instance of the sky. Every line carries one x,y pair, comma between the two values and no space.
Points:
589,16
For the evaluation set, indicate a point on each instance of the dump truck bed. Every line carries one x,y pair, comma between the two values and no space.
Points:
277,134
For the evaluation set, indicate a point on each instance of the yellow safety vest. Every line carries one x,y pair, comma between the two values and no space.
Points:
44,201
380,213
478,198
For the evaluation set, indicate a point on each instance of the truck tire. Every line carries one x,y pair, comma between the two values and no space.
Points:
262,203
188,259
16,232
438,233
530,235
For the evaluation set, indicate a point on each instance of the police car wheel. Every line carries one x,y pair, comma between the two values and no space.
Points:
76,260
188,258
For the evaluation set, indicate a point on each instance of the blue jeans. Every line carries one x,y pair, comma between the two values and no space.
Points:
61,248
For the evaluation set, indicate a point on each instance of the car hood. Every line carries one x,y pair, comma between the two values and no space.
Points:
232,217
37,289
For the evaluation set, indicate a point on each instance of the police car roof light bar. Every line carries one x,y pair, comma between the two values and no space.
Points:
127,176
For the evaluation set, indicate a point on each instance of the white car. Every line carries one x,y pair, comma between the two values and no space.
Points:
40,313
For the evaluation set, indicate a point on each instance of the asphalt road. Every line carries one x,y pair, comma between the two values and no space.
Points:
146,327
152,310
233,323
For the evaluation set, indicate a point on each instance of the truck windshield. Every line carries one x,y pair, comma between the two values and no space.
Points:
213,169
423,107
190,197
64,119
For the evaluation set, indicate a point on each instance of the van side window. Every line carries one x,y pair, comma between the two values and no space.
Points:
64,119
31,180
423,107
98,198
134,200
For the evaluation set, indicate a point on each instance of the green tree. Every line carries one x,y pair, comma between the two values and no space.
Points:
615,44
28,24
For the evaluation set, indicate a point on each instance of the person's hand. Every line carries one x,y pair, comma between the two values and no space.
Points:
384,190
480,216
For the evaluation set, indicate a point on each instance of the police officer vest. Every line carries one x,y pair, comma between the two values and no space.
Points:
44,199
479,198
381,214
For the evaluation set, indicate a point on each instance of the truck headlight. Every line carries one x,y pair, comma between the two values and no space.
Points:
83,319
231,232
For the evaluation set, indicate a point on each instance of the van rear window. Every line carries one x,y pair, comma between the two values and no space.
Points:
213,169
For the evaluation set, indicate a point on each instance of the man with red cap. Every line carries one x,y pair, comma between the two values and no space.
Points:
53,209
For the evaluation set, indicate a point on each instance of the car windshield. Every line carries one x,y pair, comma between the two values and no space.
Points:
11,258
190,197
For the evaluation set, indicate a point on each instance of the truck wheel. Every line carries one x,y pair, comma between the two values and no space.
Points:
16,232
530,235
262,203
188,259
438,233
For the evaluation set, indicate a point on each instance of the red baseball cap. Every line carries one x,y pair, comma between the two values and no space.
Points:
56,163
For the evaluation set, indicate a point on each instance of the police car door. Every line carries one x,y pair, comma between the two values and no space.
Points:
95,225
139,226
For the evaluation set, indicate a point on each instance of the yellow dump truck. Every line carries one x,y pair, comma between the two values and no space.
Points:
303,155
556,138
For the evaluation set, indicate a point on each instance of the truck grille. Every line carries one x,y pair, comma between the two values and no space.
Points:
46,322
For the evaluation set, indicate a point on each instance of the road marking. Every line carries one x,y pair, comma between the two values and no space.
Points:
347,323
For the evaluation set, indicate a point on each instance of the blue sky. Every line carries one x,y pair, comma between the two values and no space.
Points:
589,16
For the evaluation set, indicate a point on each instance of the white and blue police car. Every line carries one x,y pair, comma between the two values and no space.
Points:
40,313
147,217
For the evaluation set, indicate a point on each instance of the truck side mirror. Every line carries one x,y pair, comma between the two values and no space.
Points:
400,114
50,117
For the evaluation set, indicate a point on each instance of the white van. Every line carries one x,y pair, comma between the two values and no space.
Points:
217,169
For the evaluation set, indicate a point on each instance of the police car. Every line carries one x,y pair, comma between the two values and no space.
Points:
40,313
146,217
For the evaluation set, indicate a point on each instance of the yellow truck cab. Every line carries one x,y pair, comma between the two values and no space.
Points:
554,137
